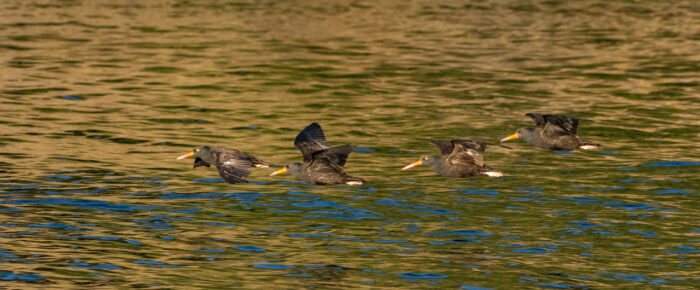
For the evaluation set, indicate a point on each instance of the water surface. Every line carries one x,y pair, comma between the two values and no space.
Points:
97,99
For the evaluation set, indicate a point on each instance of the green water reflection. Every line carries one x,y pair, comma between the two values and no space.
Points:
98,98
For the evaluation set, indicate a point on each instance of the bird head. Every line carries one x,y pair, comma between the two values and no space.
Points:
202,156
427,160
293,168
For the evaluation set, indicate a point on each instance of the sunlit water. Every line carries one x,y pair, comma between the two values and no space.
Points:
97,100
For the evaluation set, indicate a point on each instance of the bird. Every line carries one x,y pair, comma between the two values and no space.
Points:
553,132
233,165
322,164
460,157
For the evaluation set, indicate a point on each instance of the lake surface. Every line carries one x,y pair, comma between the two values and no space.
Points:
98,98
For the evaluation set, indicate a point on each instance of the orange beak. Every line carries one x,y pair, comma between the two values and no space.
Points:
414,164
188,155
511,137
283,170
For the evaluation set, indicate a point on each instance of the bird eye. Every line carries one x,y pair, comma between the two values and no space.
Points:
425,158
196,150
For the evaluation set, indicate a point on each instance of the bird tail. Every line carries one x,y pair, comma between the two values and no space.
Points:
256,162
493,173
488,171
350,180
588,145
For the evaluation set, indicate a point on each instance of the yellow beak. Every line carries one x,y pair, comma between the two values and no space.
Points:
283,170
414,164
188,155
511,137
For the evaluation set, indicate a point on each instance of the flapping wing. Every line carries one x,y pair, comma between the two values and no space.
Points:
311,140
445,146
334,158
538,118
234,170
466,149
464,144
466,158
566,123
339,155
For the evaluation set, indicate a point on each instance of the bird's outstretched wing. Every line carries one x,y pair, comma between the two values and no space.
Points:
334,158
311,140
539,119
568,124
463,144
445,146
234,170
467,148
466,159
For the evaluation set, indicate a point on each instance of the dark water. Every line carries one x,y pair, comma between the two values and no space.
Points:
99,97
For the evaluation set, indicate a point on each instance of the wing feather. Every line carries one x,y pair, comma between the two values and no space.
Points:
568,123
538,118
556,124
234,170
445,146
333,158
311,140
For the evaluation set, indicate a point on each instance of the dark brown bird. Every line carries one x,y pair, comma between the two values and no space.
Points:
554,132
233,165
461,157
323,164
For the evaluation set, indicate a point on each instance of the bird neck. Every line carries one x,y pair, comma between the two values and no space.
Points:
297,170
207,157
532,136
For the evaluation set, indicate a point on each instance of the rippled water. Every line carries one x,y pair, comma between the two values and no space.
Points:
97,100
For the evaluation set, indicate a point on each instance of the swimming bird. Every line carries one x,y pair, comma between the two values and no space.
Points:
554,132
233,165
323,164
460,157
